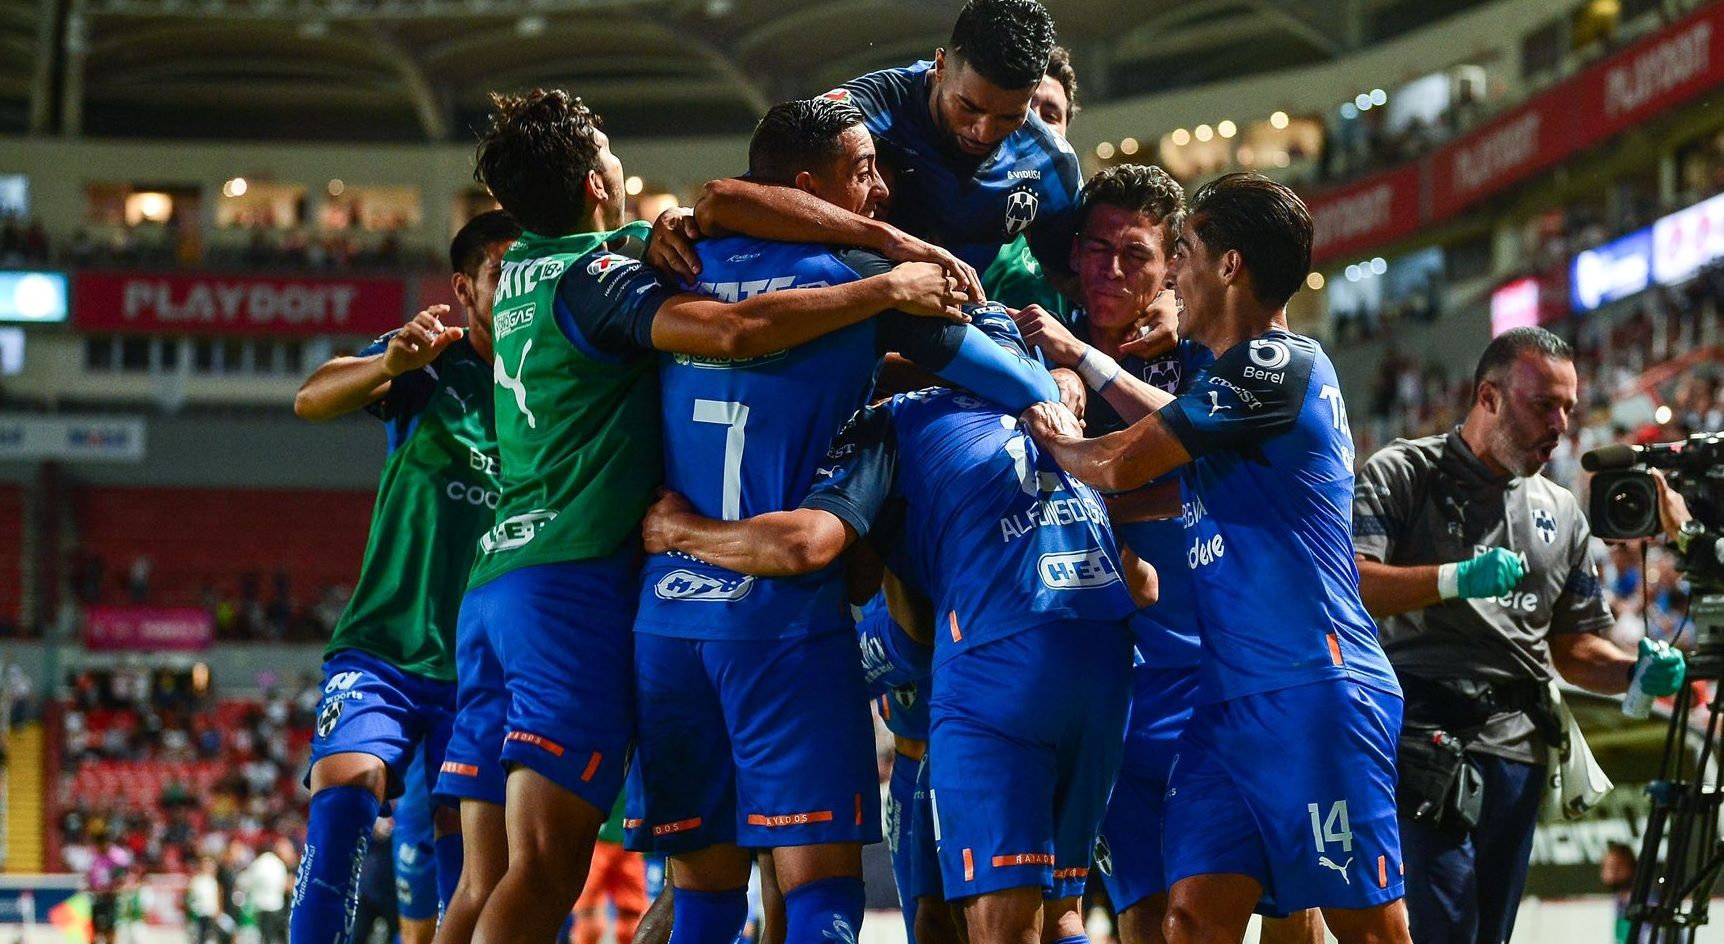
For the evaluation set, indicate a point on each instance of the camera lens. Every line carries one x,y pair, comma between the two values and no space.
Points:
1628,506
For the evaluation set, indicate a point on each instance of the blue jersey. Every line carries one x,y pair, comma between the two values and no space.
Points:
1267,506
1166,632
744,437
1028,184
896,669
1001,538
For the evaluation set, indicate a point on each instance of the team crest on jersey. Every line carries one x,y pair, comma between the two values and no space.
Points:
328,715
837,95
704,588
1163,375
1103,855
1545,522
1021,206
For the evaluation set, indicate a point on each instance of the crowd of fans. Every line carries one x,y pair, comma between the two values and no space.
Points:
243,611
22,242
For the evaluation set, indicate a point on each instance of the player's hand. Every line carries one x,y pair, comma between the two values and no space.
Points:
658,528
902,247
1048,422
924,288
1042,330
1074,396
1659,668
1491,574
671,248
1157,327
419,341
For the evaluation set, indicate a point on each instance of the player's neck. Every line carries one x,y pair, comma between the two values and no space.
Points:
1240,323
1108,338
1478,439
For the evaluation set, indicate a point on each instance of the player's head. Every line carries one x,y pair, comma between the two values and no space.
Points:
984,78
1245,242
476,259
546,161
1055,99
1524,390
819,145
1128,218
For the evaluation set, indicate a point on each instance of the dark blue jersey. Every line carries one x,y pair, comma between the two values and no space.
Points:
1268,527
1028,185
1000,537
745,437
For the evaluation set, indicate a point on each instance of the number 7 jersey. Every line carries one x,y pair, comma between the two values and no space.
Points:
1268,523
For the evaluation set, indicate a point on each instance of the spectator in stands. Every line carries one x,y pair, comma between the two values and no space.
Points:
204,911
265,884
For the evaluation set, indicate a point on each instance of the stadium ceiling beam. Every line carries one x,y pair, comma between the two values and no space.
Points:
728,69
603,93
251,67
845,68
790,23
1142,45
1277,12
338,11
433,117
42,68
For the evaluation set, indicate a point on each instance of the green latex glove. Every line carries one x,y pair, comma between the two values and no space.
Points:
1660,668
1491,574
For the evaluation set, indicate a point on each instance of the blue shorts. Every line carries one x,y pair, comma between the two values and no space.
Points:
371,707
415,849
543,655
1294,788
1128,851
910,837
760,742
1027,736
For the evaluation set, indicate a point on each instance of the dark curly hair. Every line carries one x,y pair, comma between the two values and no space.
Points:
1139,188
797,136
1266,222
1061,71
1006,41
535,156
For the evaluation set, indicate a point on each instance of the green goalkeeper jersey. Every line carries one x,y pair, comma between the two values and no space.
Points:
1015,280
576,398
437,495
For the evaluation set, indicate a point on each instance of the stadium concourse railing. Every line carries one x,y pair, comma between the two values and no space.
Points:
1641,82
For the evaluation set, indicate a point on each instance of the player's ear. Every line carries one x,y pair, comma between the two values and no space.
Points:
805,181
597,194
465,293
1232,266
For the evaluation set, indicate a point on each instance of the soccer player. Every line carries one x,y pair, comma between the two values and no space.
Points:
389,668
1284,782
416,898
976,167
545,642
1015,278
1021,567
716,652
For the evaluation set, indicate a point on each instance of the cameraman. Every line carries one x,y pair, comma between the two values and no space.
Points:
1477,570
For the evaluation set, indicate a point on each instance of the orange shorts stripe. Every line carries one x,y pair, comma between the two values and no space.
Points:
543,743
592,767
632,823
969,866
885,708
953,619
465,770
790,819
1023,858
1334,648
680,826
858,809
1073,872
1382,871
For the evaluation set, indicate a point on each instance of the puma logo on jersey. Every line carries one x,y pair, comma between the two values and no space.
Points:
465,406
1215,403
514,384
1329,863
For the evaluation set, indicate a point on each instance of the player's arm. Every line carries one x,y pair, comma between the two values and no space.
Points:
776,544
345,384
1134,456
771,211
1140,578
625,306
1130,397
1156,502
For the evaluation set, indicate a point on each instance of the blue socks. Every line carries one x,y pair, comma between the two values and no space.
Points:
326,892
825,912
448,856
706,917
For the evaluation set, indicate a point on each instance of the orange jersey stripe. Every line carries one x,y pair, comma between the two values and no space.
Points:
680,826
1334,648
953,619
1023,858
858,809
592,767
969,866
537,741
790,819
465,770
1382,871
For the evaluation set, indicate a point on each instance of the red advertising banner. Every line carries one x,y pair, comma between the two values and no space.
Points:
147,628
207,303
1637,83
1367,214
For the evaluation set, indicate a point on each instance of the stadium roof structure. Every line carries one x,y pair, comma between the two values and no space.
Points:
418,70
